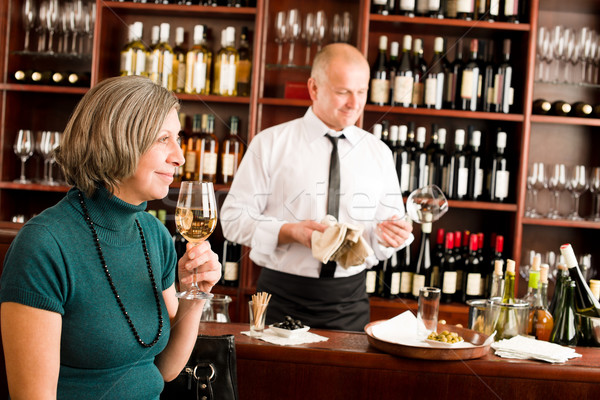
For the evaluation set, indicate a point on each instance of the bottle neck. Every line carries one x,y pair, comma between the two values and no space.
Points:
509,288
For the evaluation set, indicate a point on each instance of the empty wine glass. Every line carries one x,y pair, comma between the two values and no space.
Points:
577,184
524,267
89,23
583,40
557,183
551,261
23,148
544,54
50,141
294,30
346,28
41,25
336,28
51,23
595,190
426,204
280,34
320,28
29,18
536,181
558,49
64,27
571,56
39,137
76,23
309,34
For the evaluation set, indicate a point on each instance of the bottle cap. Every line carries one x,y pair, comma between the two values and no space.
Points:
407,42
499,243
567,251
440,236
476,138
155,33
537,260
442,136
394,133
198,33
498,264
421,132
438,44
449,241
402,131
459,137
179,35
501,140
544,268
418,45
230,36
165,29
394,47
383,42
377,128
510,266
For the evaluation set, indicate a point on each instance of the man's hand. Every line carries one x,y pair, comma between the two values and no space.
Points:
299,232
394,231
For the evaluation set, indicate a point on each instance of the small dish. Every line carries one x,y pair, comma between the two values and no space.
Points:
444,344
288,332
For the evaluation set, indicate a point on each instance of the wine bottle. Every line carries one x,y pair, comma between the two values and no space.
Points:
563,275
472,281
540,321
541,106
402,157
471,74
209,151
393,140
154,40
232,151
392,277
380,7
486,99
585,301
423,264
544,269
475,165
503,81
232,254
437,260
244,65
437,158
513,10
23,76
534,277
380,84
135,53
179,58
198,64
507,324
499,175
403,82
161,60
393,65
419,71
451,9
489,10
406,272
448,270
41,77
422,8
581,109
454,78
226,63
596,111
78,78
458,170
182,140
436,8
377,128
564,331
191,154
465,9
561,108
406,8
497,285
385,132
460,265
418,162
434,76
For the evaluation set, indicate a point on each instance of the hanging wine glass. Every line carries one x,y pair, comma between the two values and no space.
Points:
23,148
308,35
577,184
294,30
196,219
426,204
29,17
557,183
595,190
320,29
584,42
280,34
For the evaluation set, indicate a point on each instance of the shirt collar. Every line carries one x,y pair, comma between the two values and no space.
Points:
315,128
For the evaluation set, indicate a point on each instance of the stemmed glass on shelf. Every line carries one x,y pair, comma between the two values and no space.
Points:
346,28
320,28
577,184
595,190
536,181
23,148
557,183
558,50
309,34
293,31
29,17
51,22
280,34
196,219
49,142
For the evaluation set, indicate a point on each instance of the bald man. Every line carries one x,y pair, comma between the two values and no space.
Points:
280,193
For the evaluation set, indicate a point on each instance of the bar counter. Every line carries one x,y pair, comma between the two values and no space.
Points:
347,367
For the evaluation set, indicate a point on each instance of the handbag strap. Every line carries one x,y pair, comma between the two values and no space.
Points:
204,374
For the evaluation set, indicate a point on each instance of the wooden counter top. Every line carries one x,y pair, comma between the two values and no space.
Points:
347,367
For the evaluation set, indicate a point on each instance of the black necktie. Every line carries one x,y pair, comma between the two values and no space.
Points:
333,196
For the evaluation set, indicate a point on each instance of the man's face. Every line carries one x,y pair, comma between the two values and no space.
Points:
339,94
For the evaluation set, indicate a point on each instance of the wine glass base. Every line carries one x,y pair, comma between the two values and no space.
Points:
574,217
194,295
23,181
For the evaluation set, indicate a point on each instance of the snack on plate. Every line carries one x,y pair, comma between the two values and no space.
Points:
445,337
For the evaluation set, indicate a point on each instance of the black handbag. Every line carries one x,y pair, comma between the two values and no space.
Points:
210,373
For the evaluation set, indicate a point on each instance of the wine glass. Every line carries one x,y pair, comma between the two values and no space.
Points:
196,219
89,23
558,49
571,57
346,28
50,141
595,190
426,204
280,34
23,149
41,25
308,34
320,28
557,182
577,184
76,23
294,29
336,27
29,17
536,181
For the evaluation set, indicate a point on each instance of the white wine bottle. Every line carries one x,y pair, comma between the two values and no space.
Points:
179,58
198,63
244,65
232,151
585,301
135,53
161,60
226,62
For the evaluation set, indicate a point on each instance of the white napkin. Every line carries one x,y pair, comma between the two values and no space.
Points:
299,338
522,347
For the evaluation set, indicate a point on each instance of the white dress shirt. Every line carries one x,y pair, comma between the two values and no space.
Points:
283,178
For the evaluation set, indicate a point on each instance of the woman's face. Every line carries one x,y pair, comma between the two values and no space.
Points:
156,167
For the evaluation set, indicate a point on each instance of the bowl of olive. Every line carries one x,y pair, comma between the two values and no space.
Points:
289,327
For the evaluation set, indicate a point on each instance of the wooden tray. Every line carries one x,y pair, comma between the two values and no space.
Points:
430,353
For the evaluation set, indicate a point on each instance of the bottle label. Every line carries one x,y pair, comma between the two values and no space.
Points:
417,284
494,7
395,283
380,2
445,179
166,70
449,282
478,189
407,5
227,76
243,73
473,284
462,182
199,76
180,84
498,85
127,62
190,161
380,91
227,167
464,6
405,282
434,5
230,271
510,8
502,178
405,177
370,281
450,88
140,62
417,94
467,86
403,88
209,163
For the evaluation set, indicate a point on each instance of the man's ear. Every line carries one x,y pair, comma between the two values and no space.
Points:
312,88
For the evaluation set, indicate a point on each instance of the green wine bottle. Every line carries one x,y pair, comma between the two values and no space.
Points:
507,324
585,302
564,331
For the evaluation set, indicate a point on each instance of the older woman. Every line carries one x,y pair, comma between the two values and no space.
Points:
88,296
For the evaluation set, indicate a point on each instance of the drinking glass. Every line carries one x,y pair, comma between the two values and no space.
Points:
577,184
196,219
309,34
50,141
536,181
89,21
320,28
426,204
280,34
336,28
41,25
346,29
557,183
294,30
76,22
29,17
427,311
64,28
23,149
558,49
51,23
571,55
595,190
584,42
544,53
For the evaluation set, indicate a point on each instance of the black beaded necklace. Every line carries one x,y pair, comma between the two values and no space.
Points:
112,285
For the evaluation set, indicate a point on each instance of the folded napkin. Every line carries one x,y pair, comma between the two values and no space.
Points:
299,338
342,243
522,347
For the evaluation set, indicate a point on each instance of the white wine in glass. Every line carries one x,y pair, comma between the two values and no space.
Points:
196,219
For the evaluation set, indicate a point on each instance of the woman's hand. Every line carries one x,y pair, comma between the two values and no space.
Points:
199,264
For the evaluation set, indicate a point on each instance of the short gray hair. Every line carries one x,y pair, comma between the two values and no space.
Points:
112,126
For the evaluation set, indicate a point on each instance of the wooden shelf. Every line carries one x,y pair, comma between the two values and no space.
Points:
33,186
18,87
271,101
482,205
427,112
561,223
166,10
213,98
550,119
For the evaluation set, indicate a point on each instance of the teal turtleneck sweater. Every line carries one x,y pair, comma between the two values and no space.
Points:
53,265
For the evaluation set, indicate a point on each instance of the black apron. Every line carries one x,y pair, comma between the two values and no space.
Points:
326,303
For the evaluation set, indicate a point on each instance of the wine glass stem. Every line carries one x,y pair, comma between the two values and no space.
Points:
576,212
556,202
307,61
291,57
23,159
279,53
26,40
534,202
50,40
597,206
